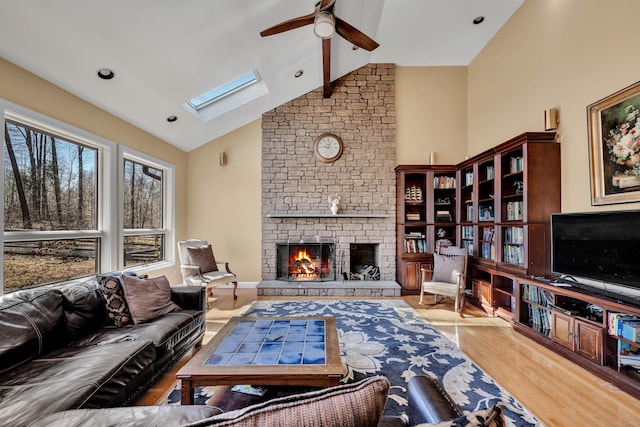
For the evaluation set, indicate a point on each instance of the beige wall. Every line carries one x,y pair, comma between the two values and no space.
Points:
431,104
27,90
565,54
224,201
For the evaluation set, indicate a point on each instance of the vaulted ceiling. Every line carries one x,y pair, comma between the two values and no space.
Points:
164,53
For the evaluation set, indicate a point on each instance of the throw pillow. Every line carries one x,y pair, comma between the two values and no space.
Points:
203,258
447,267
489,417
113,294
358,404
148,299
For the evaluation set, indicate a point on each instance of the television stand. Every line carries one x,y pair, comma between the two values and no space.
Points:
578,324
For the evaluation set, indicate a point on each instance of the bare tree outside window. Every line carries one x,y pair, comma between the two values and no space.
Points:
49,185
143,191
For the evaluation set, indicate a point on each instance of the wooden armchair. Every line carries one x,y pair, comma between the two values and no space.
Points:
449,276
199,266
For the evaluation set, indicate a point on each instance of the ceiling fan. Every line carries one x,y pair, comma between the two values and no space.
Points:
326,24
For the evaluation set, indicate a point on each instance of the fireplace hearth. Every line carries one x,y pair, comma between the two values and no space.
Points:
305,262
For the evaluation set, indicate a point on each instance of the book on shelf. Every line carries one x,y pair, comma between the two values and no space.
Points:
415,246
515,211
541,320
488,250
443,216
412,216
628,355
513,254
514,235
444,182
469,212
467,232
469,245
515,164
488,233
617,320
468,178
490,172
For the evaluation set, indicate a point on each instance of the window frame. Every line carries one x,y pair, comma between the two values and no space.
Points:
168,206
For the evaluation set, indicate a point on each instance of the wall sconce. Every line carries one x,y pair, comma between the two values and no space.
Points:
223,158
551,119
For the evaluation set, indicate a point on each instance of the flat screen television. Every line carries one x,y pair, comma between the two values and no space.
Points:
599,251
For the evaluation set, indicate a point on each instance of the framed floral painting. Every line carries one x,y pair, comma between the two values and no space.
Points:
614,141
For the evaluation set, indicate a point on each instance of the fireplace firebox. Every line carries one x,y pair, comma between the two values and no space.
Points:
305,262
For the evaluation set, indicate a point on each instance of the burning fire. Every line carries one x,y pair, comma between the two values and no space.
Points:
302,267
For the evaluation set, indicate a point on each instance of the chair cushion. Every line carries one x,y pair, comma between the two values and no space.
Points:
113,294
358,404
447,267
148,299
203,258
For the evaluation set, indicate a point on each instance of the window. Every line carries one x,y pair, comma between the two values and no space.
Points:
53,230
147,187
63,199
227,97
228,88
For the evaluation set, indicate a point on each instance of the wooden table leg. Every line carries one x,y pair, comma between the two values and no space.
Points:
186,394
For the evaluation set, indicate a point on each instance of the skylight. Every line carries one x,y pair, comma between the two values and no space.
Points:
207,98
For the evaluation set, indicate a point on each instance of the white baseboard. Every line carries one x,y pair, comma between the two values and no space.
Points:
246,285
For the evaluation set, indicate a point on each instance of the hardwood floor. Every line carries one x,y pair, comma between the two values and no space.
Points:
557,391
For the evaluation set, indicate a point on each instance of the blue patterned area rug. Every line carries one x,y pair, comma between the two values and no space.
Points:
390,338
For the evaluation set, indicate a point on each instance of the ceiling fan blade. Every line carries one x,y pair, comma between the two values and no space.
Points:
291,24
355,36
326,68
326,4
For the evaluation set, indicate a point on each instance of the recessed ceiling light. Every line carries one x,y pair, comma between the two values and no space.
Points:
298,73
478,20
172,119
105,73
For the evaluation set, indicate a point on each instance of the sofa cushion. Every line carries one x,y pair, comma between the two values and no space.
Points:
165,332
203,258
69,378
32,324
165,416
148,299
113,294
358,404
84,308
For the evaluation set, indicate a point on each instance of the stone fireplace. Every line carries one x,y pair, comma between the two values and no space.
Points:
296,185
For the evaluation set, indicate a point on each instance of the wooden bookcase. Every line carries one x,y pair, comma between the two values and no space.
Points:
504,199
577,324
426,216
507,210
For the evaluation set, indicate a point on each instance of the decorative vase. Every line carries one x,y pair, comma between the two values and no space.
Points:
334,209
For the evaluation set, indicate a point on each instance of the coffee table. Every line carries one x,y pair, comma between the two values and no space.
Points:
296,351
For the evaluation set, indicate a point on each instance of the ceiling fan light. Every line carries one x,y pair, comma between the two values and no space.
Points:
324,25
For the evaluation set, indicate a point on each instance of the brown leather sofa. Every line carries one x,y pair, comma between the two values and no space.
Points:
428,403
58,350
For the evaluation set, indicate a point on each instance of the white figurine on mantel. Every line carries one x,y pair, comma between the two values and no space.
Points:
334,199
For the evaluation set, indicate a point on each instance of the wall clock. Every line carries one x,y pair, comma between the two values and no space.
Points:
328,147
